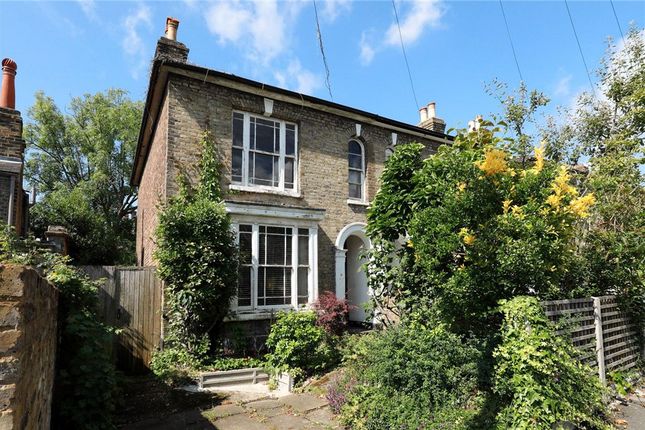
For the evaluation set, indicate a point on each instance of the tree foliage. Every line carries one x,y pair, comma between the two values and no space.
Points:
474,227
197,258
607,132
80,163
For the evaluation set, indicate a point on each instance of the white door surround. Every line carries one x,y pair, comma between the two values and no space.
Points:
354,229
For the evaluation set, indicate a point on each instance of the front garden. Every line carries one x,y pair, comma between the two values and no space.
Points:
466,243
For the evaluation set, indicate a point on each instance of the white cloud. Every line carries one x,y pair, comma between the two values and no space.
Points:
367,49
132,43
297,78
262,27
332,9
422,14
89,8
563,87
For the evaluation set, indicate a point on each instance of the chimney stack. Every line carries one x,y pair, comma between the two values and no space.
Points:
428,118
8,91
168,49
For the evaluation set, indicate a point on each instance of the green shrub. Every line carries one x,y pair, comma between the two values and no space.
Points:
296,344
538,376
410,378
232,363
174,366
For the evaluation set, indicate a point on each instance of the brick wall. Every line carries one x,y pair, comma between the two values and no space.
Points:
152,190
11,142
28,336
195,106
11,145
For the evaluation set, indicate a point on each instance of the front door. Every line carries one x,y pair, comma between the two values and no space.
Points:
356,287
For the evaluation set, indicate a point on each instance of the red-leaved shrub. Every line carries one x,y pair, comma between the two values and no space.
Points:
332,313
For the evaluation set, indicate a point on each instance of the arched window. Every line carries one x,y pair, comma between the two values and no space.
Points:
356,163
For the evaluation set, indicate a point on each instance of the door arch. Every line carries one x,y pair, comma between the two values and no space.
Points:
350,243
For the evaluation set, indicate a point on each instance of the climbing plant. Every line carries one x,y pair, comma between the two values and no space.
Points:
197,258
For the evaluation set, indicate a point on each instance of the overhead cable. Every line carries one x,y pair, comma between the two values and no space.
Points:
407,65
617,20
322,51
510,39
582,55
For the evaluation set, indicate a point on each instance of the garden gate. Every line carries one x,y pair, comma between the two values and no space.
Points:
131,299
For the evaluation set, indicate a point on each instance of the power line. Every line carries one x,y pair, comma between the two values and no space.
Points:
582,55
322,51
510,39
617,21
407,65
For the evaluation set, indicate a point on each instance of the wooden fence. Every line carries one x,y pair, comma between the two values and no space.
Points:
131,299
606,338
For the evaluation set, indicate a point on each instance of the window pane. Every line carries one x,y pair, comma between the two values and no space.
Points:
356,161
264,137
303,285
291,140
275,249
303,250
262,169
244,286
355,147
276,171
355,191
238,129
288,172
236,167
354,177
245,247
276,140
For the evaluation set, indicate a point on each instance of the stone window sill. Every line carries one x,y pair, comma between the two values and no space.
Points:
262,314
357,202
250,189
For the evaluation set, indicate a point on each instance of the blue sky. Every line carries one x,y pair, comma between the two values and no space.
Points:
454,48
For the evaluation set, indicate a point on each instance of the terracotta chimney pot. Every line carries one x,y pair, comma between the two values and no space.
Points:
171,28
8,91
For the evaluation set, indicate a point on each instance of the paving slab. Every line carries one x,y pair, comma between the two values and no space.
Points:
240,422
303,402
291,422
222,411
264,404
324,417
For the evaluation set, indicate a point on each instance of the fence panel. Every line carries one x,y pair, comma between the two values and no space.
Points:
603,334
130,299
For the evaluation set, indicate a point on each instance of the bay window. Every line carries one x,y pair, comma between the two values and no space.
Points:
264,152
276,266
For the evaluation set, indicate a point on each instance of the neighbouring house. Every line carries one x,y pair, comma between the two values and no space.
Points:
13,199
299,174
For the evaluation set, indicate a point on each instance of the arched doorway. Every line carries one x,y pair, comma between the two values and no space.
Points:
351,280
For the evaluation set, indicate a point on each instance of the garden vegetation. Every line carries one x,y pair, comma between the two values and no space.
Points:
467,242
85,390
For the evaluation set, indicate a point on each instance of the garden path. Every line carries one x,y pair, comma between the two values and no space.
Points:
292,412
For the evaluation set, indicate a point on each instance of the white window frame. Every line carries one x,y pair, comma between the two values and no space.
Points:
363,198
245,185
312,279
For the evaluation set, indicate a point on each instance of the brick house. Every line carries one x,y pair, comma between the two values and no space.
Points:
13,199
299,173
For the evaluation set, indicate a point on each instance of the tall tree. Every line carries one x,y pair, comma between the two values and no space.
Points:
80,163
